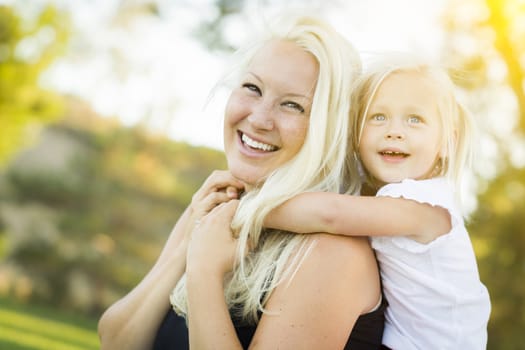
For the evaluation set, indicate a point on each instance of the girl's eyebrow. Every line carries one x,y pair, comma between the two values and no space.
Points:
381,106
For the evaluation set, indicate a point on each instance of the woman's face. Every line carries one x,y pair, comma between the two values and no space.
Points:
267,114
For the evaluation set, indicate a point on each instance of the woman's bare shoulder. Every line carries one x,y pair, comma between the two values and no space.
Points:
356,244
331,249
341,262
335,283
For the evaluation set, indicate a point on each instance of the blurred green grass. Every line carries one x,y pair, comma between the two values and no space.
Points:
25,327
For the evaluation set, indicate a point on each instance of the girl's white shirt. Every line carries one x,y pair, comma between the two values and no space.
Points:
436,299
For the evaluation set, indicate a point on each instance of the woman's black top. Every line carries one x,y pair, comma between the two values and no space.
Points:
366,335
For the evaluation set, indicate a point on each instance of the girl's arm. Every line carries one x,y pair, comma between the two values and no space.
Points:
132,322
316,308
360,216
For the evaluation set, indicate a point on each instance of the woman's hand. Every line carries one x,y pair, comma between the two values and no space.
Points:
127,324
213,247
219,187
211,254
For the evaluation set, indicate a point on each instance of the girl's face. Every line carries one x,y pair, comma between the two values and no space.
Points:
401,137
267,114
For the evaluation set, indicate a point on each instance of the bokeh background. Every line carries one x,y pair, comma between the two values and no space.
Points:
106,131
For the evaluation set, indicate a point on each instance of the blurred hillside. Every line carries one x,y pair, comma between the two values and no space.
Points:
84,210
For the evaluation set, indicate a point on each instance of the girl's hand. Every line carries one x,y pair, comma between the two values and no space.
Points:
212,248
218,188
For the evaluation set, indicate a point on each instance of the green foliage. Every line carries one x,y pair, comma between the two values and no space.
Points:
86,210
506,21
498,232
27,48
495,34
212,31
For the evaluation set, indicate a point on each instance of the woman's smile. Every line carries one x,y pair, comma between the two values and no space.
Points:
256,145
268,112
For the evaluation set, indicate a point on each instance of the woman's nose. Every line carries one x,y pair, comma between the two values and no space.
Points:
261,117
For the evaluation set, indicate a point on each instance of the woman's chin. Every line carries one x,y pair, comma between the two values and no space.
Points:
250,177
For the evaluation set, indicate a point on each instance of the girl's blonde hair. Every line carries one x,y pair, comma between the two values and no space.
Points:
320,165
457,125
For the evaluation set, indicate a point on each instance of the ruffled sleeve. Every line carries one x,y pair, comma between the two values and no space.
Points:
436,192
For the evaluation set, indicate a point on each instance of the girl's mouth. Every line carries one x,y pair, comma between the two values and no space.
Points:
394,154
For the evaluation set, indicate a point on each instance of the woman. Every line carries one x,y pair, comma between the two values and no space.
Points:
285,132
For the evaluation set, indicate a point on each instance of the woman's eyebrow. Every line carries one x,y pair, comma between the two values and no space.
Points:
255,76
308,96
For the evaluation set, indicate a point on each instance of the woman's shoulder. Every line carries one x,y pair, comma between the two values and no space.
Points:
343,262
350,248
336,281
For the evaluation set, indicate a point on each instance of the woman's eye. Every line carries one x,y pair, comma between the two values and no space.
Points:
252,87
294,105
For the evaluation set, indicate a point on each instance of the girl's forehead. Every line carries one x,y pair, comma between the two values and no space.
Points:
411,77
412,85
407,92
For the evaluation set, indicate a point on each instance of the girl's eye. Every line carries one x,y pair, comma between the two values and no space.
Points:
414,119
294,105
252,87
378,117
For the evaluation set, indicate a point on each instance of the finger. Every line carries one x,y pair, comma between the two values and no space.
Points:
221,179
214,199
226,210
232,205
218,181
207,205
232,192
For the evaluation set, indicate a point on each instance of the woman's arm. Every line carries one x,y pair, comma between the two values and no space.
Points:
360,216
211,255
317,309
132,322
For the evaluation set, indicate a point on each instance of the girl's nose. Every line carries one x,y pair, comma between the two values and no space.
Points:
394,135
395,132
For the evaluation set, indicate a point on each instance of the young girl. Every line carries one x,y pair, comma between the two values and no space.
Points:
413,140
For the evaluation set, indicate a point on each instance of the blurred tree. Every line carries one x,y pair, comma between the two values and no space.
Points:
213,31
506,20
498,230
87,209
27,47
214,23
485,39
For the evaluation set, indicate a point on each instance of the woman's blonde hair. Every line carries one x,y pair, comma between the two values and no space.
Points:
457,125
320,165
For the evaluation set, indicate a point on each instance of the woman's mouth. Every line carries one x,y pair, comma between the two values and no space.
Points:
256,145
